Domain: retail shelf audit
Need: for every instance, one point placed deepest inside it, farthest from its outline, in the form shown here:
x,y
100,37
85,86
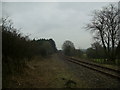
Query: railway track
x,y
104,70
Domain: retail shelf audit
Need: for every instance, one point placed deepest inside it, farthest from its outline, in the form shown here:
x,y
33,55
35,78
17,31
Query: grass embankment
x,y
103,62
44,73
109,64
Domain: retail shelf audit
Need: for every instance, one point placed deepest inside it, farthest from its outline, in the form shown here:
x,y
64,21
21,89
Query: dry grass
x,y
44,73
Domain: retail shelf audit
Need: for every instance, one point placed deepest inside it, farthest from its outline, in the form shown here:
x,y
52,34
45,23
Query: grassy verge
x,y
114,65
103,62
48,72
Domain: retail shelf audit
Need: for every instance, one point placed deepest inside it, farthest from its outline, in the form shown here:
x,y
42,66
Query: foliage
x,y
96,51
68,48
16,48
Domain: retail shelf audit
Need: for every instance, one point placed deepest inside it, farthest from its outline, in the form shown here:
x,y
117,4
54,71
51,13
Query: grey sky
x,y
57,20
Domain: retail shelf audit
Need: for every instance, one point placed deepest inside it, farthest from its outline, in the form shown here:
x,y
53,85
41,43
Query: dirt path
x,y
54,72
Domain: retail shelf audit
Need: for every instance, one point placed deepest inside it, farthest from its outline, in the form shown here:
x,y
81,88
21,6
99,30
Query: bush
x,y
16,48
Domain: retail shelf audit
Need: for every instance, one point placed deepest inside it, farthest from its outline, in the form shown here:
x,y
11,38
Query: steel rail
x,y
105,70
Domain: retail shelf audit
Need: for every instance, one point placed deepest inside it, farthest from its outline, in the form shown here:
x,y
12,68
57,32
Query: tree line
x,y
69,49
105,26
17,48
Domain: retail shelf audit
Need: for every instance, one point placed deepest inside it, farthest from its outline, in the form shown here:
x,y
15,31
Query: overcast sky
x,y
57,20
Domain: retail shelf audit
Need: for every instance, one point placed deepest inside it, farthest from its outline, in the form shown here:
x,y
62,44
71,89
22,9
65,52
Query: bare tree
x,y
105,26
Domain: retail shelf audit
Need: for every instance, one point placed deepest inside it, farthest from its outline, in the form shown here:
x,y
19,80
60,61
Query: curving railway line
x,y
104,70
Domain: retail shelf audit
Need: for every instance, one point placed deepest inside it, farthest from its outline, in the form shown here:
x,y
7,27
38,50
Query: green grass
x,y
114,65
103,61
99,60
